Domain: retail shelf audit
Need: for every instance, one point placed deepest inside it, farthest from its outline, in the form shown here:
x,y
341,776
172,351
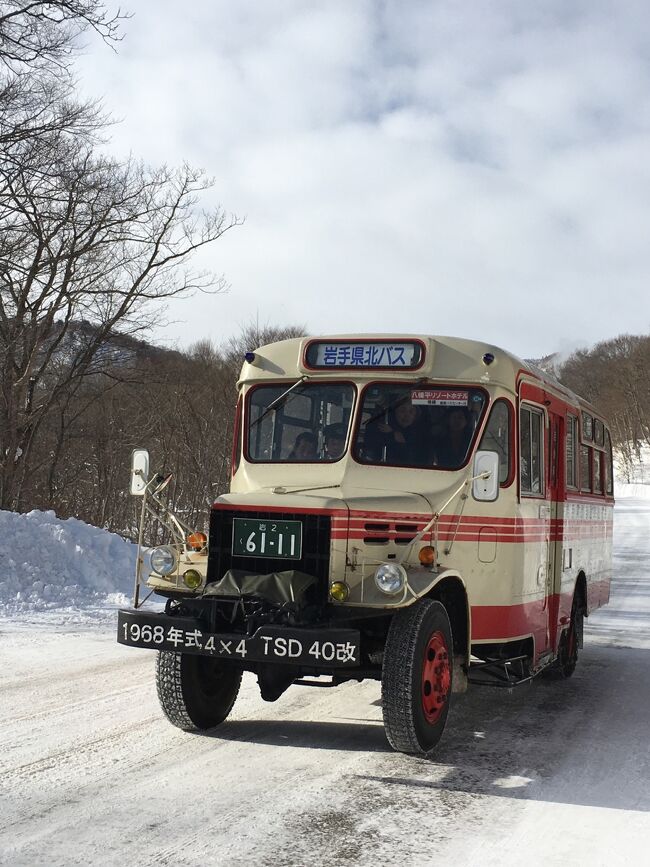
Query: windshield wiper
x,y
275,403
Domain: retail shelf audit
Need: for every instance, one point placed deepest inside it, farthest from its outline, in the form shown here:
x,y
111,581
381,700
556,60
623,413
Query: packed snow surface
x,y
47,563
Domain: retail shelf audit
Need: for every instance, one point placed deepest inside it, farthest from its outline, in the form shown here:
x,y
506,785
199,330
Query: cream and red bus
x,y
424,511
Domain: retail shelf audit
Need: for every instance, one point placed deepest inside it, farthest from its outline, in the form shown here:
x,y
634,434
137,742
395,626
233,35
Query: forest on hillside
x,y
615,376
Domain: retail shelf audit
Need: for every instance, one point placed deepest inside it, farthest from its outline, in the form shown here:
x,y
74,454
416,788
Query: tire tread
x,y
398,676
169,686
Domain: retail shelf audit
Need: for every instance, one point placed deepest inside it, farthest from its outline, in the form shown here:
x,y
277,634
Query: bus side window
x,y
571,442
531,450
586,464
496,437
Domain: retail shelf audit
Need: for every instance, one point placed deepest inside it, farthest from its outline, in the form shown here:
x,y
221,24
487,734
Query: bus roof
x,y
441,358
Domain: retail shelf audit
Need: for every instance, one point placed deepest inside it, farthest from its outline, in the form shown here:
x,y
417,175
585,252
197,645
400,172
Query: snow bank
x,y
47,563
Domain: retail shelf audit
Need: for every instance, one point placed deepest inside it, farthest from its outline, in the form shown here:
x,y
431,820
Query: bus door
x,y
534,460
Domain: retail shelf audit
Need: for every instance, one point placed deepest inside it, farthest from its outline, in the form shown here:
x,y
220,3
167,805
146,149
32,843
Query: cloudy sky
x,y
477,168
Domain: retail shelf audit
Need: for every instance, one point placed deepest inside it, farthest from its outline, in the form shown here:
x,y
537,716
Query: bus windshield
x,y
412,425
305,424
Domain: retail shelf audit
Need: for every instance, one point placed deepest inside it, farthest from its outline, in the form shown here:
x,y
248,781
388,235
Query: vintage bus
x,y
425,511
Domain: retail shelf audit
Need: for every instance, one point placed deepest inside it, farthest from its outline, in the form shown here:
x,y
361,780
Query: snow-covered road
x,y
553,773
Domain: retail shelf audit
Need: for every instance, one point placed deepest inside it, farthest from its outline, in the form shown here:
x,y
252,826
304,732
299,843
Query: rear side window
x,y
609,470
585,468
496,437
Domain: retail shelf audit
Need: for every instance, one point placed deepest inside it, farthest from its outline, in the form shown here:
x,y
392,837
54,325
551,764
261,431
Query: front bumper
x,y
318,648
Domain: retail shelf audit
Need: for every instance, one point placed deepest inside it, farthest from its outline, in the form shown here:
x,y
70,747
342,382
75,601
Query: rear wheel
x,y
417,677
195,692
570,642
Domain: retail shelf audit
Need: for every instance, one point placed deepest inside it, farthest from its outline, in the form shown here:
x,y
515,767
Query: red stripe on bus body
x,y
467,536
471,521
442,537
499,622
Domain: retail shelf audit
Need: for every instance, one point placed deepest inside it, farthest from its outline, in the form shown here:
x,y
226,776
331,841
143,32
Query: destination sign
x,y
398,355
439,397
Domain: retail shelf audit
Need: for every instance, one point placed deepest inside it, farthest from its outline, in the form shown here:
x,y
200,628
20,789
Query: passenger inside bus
x,y
396,437
334,441
450,449
304,447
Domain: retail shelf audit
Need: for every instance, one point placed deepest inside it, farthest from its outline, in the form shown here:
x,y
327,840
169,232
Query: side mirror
x,y
485,489
139,471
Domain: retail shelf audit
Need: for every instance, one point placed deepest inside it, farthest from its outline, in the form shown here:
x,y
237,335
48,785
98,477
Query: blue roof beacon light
x,y
249,357
488,358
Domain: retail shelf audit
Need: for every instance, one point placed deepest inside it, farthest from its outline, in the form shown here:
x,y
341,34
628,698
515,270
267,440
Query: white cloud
x,y
478,169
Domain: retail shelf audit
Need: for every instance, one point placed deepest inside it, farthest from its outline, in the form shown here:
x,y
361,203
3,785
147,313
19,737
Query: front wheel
x,y
195,692
417,677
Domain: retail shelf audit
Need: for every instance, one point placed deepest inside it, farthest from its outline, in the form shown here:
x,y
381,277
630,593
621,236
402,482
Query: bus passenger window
x,y
531,450
585,468
598,479
599,432
571,441
496,437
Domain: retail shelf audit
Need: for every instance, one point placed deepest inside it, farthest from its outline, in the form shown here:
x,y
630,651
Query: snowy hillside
x,y
48,563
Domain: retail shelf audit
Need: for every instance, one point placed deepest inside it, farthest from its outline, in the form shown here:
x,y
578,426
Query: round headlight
x,y
390,578
163,560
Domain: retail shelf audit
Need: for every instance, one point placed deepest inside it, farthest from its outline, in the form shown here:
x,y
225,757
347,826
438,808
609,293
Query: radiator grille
x,y
316,534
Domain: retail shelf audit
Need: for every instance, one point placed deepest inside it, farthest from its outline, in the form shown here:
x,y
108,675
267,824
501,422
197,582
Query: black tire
x,y
570,642
417,676
195,692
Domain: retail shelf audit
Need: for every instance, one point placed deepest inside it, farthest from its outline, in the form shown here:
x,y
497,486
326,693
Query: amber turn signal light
x,y
196,541
427,555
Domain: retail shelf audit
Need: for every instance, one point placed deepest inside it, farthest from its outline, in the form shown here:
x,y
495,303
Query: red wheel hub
x,y
436,677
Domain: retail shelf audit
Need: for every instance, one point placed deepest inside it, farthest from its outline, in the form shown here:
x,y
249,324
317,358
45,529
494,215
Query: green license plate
x,y
267,539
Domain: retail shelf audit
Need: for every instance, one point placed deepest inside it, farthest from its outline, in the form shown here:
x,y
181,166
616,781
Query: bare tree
x,y
614,376
34,34
85,238
37,89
